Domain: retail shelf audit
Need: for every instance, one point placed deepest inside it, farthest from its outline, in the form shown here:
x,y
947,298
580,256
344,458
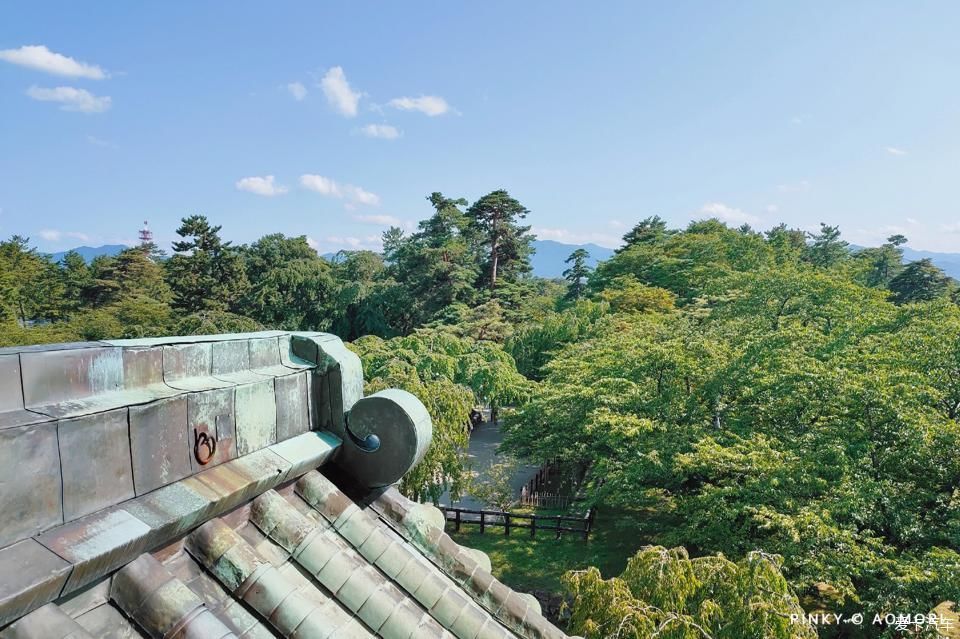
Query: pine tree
x,y
494,224
77,279
206,273
30,283
919,281
290,285
647,231
827,249
577,274
886,261
436,267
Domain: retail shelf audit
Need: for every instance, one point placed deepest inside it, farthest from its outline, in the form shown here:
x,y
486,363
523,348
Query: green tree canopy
x,y
205,273
919,281
130,273
796,413
291,287
449,374
666,594
826,248
437,266
577,274
650,230
31,288
494,221
77,280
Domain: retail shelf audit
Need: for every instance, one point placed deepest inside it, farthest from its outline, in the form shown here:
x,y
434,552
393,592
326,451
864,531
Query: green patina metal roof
x,y
179,487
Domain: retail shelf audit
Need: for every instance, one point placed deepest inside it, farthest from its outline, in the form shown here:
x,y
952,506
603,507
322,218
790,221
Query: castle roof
x,y
225,486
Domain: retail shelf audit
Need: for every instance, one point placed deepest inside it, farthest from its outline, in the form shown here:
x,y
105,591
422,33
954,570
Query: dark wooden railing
x,y
556,524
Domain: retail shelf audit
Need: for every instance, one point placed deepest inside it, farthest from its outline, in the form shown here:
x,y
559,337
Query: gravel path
x,y
483,453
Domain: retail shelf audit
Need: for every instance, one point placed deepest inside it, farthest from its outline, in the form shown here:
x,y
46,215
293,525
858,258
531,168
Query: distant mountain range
x,y
90,252
949,262
548,261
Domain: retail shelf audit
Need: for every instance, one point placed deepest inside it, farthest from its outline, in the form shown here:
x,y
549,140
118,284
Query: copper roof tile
x,y
250,577
248,540
162,605
48,622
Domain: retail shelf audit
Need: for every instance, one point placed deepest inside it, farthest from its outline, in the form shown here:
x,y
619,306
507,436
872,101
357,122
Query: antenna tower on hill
x,y
145,234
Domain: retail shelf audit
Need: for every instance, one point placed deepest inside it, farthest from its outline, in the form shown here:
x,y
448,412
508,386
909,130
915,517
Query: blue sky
x,y
594,115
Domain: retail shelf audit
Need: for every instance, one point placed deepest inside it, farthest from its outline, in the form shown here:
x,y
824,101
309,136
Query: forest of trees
x,y
786,406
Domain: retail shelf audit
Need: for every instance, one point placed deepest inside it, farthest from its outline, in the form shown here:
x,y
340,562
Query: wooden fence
x,y
553,486
556,524
545,500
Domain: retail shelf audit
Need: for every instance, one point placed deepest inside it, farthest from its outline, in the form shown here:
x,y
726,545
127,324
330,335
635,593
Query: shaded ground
x,y
537,564
483,454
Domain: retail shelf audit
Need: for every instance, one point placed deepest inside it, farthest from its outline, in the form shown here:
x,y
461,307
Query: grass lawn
x,y
527,564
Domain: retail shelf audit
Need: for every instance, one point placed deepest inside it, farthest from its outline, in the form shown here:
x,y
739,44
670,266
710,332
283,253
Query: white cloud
x,y
339,94
55,235
558,235
312,243
953,227
384,131
382,220
261,186
297,90
616,224
911,228
892,150
728,213
40,58
320,184
353,195
370,242
356,195
566,236
771,208
431,105
352,242
71,99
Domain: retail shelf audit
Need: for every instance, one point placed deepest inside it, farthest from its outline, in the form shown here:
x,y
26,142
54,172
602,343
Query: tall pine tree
x,y
206,273
494,222
577,274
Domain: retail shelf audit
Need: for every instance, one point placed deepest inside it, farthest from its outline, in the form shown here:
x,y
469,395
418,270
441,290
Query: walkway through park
x,y
482,454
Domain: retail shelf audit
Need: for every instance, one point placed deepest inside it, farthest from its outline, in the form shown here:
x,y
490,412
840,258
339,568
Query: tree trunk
x,y
493,267
494,257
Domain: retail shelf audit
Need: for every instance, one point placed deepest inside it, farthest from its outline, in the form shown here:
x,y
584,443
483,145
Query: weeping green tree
x,y
449,374
666,594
